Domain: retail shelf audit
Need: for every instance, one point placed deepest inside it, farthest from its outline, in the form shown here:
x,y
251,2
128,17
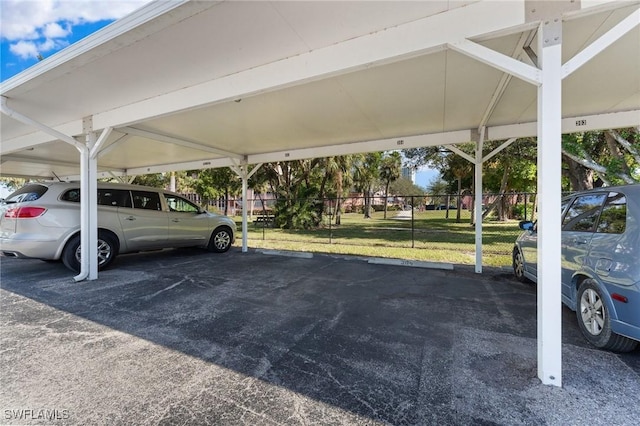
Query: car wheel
x,y
107,250
518,265
220,241
595,322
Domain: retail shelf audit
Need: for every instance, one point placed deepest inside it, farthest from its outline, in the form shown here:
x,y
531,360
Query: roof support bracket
x,y
498,60
10,112
626,25
243,171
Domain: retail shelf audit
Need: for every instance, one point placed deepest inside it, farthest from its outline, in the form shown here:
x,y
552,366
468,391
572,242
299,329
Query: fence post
x,y
330,220
525,206
413,241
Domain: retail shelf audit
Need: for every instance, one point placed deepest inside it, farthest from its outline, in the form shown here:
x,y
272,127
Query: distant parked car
x,y
600,263
42,221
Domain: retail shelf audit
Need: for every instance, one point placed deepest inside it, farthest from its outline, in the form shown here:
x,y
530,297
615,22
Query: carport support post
x,y
478,197
245,174
89,192
549,179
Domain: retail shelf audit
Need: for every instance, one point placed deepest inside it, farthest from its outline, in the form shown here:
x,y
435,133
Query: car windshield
x,y
26,193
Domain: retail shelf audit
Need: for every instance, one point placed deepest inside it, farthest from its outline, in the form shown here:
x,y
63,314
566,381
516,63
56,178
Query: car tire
x,y
518,266
220,240
595,322
107,251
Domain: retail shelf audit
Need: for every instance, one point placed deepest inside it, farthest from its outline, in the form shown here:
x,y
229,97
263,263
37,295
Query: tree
x,y
154,180
612,155
338,171
390,171
214,183
296,185
366,176
404,187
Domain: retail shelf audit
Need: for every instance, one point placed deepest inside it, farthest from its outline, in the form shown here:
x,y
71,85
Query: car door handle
x,y
175,220
580,241
130,218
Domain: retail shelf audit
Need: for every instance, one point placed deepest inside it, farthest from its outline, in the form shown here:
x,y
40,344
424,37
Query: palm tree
x,y
365,176
390,171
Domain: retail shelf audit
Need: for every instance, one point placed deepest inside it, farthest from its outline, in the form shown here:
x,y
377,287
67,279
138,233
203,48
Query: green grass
x,y
435,238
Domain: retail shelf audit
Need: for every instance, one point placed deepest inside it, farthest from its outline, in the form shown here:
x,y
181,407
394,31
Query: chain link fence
x,y
420,227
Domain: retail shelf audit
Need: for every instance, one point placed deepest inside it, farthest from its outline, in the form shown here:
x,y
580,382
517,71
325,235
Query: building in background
x,y
409,173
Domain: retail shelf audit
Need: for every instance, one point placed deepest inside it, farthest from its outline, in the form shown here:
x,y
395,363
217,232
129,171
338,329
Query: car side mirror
x,y
526,225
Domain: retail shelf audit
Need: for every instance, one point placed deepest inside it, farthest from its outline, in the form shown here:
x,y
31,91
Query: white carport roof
x,y
193,84
186,85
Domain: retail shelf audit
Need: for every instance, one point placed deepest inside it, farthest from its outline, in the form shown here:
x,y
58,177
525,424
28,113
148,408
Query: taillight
x,y
24,212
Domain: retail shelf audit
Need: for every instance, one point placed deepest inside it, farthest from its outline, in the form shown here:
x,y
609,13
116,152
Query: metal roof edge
x,y
117,28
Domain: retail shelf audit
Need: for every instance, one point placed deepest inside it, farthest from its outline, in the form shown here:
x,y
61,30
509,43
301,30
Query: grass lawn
x,y
432,238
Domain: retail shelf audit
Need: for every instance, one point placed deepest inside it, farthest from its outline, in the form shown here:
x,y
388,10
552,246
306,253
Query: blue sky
x,y
29,28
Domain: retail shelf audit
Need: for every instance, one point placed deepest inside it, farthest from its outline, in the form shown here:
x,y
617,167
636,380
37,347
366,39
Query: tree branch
x,y
625,144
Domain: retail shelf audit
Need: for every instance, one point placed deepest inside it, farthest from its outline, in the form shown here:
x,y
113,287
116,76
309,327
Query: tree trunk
x,y
498,202
386,197
459,209
580,177
367,204
226,201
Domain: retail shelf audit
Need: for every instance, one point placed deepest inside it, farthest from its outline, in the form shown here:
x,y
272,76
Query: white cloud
x,y
54,30
24,49
29,19
36,27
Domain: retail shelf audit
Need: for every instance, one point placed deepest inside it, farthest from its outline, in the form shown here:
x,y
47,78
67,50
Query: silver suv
x,y
42,221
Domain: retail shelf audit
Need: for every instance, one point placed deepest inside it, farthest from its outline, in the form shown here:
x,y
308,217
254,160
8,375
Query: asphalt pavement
x,y
189,337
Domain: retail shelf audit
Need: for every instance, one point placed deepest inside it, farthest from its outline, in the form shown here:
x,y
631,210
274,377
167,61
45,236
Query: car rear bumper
x,y
35,247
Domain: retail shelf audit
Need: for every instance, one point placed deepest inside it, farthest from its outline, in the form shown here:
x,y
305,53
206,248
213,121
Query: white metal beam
x,y
191,165
497,60
498,149
445,138
610,37
461,153
10,112
123,138
242,170
95,149
614,120
583,123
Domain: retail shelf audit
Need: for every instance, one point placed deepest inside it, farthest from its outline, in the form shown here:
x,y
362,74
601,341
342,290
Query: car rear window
x,y
613,219
30,192
583,213
146,200
114,197
106,197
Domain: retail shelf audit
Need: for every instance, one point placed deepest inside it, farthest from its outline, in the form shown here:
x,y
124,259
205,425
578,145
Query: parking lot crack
x,y
174,285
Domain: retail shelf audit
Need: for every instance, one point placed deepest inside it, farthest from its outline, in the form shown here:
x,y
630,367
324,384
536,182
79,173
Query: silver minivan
x,y
600,263
42,221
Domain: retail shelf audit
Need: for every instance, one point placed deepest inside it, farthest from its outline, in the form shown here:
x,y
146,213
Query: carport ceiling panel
x,y
35,170
143,152
469,87
518,104
194,50
610,82
221,39
56,153
350,19
314,114
402,99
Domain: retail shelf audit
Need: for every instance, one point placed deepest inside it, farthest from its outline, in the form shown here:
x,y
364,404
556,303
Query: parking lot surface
x,y
187,337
